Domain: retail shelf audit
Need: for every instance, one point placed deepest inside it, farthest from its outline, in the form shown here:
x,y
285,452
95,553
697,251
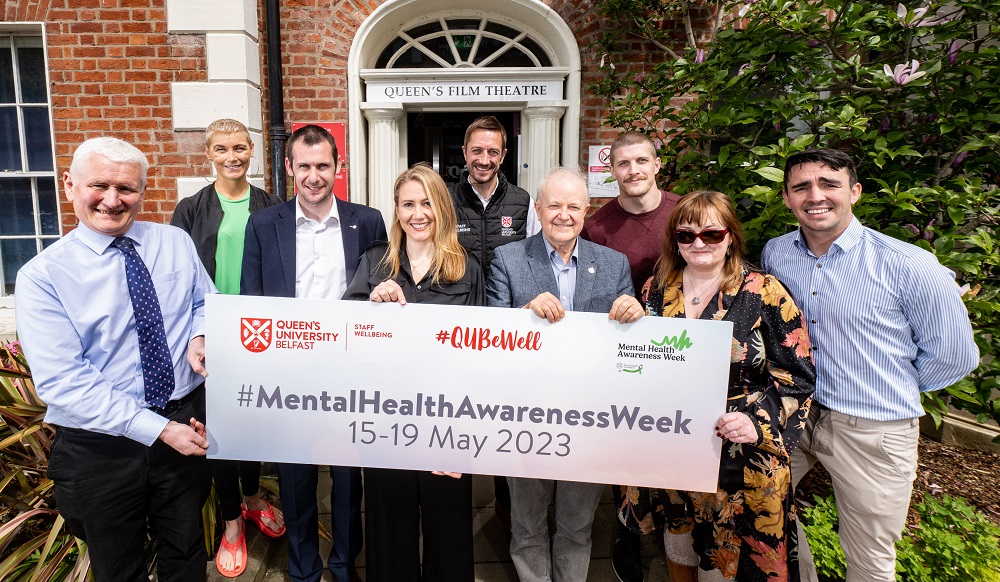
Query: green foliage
x,y
951,542
34,544
911,93
820,524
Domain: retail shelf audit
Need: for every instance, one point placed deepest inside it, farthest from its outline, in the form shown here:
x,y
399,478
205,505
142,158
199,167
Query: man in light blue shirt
x,y
886,322
121,457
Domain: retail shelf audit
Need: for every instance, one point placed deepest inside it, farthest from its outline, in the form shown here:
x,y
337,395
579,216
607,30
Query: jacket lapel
x,y
586,275
349,233
284,230
541,267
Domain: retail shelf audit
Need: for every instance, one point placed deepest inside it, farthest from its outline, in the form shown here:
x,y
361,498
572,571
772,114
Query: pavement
x,y
269,558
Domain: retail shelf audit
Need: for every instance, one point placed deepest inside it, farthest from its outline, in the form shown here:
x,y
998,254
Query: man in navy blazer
x,y
550,273
310,247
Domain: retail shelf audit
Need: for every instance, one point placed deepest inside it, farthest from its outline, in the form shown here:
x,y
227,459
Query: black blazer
x,y
269,250
201,216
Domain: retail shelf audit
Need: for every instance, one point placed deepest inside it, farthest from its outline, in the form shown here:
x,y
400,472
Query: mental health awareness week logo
x,y
666,349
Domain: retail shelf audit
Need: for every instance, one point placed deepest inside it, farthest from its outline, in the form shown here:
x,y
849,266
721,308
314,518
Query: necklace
x,y
420,263
697,297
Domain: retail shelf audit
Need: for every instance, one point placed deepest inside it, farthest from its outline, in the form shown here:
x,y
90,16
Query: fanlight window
x,y
462,42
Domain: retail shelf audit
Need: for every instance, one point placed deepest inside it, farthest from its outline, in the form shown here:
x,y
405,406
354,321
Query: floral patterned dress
x,y
747,529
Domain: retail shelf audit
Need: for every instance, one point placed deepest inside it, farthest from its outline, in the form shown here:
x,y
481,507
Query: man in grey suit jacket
x,y
310,247
550,273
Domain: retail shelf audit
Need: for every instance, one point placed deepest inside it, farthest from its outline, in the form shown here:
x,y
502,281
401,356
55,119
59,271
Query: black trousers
x,y
106,488
233,481
297,484
398,505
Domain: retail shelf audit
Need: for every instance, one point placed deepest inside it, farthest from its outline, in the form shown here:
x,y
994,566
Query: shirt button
x,y
813,292
814,321
419,287
819,265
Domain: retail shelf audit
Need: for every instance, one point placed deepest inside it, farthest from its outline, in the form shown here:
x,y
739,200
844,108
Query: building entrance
x,y
436,138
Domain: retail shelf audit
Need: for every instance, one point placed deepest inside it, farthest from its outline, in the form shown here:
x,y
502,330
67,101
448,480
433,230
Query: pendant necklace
x,y
697,298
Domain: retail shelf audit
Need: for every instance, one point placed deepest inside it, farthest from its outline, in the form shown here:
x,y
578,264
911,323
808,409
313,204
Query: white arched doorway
x,y
433,56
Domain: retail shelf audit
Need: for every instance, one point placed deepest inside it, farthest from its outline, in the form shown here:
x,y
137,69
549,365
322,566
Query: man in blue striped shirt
x,y
886,322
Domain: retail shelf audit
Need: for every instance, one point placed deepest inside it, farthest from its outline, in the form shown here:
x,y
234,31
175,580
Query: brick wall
x,y
111,63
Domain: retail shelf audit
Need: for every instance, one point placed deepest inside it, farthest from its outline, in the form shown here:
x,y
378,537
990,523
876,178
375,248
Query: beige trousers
x,y
872,465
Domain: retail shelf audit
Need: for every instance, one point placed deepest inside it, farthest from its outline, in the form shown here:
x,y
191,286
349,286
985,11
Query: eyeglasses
x,y
709,237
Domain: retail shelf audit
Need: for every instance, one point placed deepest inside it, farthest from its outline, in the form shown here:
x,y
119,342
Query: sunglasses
x,y
709,237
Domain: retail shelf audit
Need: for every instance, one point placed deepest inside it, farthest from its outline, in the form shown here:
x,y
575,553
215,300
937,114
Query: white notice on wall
x,y
599,180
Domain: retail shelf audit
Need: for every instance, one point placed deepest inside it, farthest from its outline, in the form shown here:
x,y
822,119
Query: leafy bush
x,y
820,524
909,91
34,545
951,542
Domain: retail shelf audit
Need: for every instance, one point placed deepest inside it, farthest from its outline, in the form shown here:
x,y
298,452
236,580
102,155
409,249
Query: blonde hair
x,y
448,264
225,125
695,208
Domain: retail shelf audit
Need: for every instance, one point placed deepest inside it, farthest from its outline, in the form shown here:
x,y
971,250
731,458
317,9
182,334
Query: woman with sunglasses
x,y
746,530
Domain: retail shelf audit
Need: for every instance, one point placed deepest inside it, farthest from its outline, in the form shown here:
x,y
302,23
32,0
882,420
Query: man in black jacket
x,y
491,211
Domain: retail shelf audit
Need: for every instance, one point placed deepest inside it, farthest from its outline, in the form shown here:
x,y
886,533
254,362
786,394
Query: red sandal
x,y
258,518
240,564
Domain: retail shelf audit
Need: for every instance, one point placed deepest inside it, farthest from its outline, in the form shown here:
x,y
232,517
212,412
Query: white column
x,y
383,155
232,88
541,134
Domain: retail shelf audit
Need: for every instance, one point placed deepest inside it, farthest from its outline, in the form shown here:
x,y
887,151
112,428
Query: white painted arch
x,y
373,172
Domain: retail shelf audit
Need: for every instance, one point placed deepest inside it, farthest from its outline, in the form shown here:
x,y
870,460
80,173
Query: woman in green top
x,y
216,218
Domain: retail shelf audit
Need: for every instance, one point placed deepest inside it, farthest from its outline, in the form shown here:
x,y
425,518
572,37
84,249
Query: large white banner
x,y
467,389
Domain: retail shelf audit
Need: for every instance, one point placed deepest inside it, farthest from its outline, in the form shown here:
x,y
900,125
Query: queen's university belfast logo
x,y
256,334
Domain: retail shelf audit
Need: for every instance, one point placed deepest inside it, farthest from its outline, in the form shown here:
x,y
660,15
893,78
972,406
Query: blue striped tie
x,y
157,367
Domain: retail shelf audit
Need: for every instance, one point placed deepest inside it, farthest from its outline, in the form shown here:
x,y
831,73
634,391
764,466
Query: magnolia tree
x,y
731,89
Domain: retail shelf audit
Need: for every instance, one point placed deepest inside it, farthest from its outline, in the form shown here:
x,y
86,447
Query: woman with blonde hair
x,y
422,263
746,530
216,218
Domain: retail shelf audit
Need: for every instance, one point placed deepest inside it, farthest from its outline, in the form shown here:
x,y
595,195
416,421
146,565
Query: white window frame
x,y
34,30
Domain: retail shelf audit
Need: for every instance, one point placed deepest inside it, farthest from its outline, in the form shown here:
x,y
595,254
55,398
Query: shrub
x,y
33,542
951,541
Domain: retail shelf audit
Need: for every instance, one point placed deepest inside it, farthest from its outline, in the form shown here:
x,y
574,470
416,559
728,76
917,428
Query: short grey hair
x,y
564,174
113,149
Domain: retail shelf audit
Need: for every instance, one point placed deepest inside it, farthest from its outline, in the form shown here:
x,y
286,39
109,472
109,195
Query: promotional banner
x,y
467,389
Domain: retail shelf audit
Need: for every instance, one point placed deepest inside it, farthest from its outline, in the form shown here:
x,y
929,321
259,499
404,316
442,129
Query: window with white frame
x,y
462,42
29,205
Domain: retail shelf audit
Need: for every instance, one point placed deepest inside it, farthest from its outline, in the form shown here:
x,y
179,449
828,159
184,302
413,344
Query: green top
x,y
229,250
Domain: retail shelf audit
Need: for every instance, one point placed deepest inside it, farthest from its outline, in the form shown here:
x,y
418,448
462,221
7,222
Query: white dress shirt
x,y
320,272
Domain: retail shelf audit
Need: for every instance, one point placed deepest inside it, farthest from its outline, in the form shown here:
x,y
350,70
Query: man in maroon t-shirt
x,y
635,221
634,224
